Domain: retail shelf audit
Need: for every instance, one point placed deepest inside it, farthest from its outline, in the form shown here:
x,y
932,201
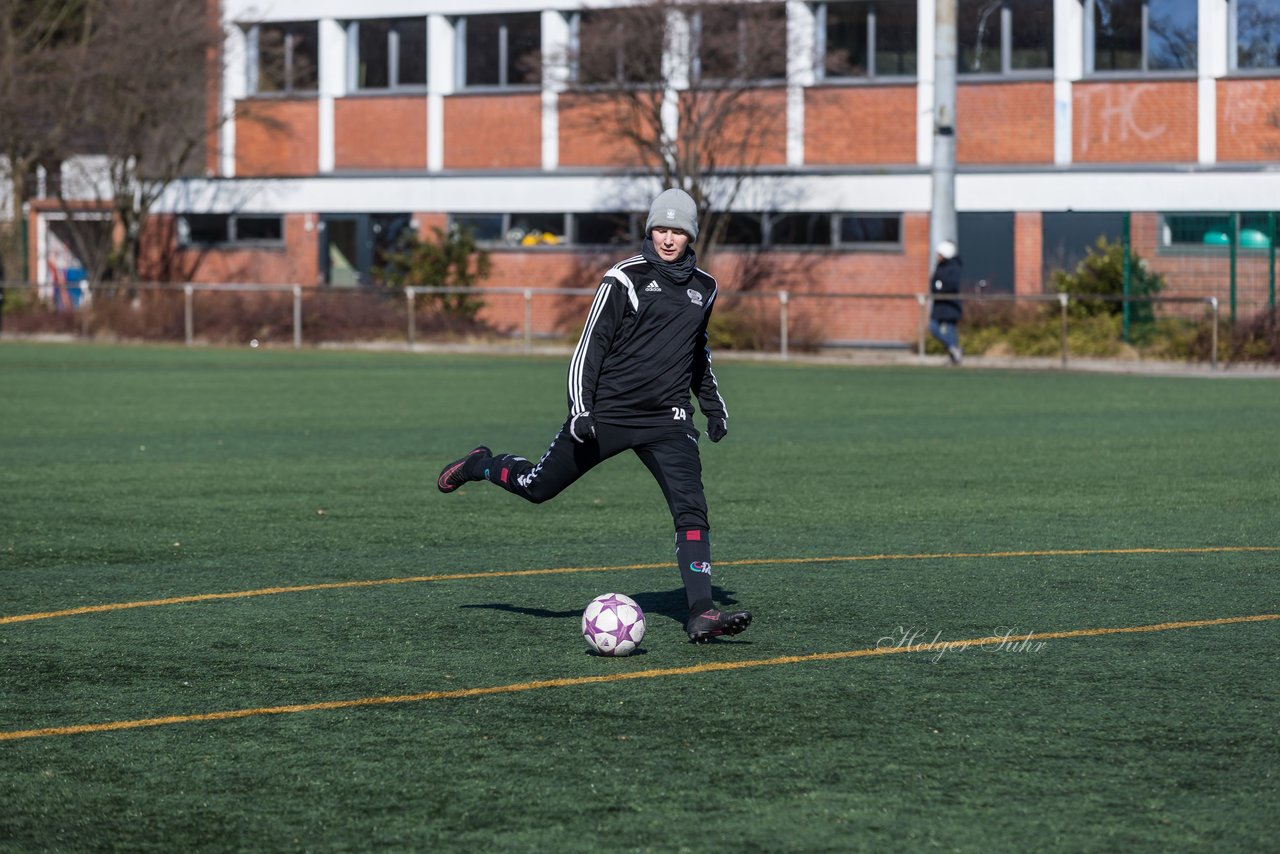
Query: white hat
x,y
947,249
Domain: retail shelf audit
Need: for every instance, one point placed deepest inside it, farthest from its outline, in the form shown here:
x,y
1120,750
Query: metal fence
x,y
195,313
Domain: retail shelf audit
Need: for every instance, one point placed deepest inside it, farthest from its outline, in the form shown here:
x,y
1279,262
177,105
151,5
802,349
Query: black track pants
x,y
670,452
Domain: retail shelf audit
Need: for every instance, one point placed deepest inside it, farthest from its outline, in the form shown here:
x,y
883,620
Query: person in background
x,y
946,313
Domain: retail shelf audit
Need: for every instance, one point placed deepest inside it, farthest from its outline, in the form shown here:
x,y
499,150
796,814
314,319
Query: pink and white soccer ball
x,y
613,624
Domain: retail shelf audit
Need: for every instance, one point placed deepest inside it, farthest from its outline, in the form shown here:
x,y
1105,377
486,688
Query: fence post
x,y
1235,240
412,331
297,317
1271,259
1127,282
923,300
1062,301
783,298
1213,337
188,322
528,319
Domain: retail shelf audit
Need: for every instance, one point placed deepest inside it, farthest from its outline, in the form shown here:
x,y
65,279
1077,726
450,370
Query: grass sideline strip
x,y
575,681
566,570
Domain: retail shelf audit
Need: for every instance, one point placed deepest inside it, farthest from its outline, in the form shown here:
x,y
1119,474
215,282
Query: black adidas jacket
x,y
644,348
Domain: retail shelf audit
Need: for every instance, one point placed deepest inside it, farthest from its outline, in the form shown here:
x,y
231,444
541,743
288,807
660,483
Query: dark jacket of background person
x,y
945,280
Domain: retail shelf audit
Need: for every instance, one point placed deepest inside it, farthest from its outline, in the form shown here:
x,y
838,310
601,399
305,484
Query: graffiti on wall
x,y
1110,115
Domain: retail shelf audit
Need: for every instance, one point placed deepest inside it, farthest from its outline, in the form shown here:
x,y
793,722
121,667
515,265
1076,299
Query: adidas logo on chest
x,y
652,288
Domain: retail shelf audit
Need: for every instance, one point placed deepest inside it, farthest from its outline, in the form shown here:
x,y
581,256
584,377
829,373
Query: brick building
x,y
351,121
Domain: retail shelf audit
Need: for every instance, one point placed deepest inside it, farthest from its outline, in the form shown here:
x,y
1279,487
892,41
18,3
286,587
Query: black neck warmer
x,y
676,272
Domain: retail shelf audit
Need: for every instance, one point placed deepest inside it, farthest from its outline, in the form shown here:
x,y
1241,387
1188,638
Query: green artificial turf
x,y
851,508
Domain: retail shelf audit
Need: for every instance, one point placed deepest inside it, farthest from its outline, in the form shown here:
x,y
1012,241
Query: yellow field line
x,y
573,681
459,576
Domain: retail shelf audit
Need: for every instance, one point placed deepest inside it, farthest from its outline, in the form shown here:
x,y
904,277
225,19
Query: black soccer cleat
x,y
711,624
458,472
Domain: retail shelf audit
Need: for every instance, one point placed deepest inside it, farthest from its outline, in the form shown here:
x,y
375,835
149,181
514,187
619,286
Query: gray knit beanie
x,y
673,209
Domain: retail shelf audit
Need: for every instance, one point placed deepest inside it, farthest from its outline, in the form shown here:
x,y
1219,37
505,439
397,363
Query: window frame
x,y
1144,69
504,50
1235,222
620,78
393,48
837,230
1233,45
821,74
1007,24
696,54
507,242
254,58
232,239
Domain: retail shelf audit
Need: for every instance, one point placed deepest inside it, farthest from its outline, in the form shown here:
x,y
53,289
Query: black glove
x,y
717,428
582,427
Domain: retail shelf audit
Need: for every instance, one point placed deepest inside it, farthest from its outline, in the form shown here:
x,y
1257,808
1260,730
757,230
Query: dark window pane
x,y
1032,34
744,230
373,70
604,36
1256,231
271,59
536,229
986,247
1067,238
895,33
1171,36
978,36
484,227
846,40
259,228
870,229
1257,33
602,228
412,67
387,230
482,65
1117,39
764,41
800,229
524,47
1197,230
720,43
304,57
200,229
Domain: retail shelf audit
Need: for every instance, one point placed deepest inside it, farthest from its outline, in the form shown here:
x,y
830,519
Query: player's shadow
x,y
663,603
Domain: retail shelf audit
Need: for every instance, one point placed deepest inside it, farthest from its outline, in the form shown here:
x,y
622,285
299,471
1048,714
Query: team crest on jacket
x,y
694,296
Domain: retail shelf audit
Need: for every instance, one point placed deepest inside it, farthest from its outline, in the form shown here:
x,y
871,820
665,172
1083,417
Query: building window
x,y
284,58
230,229
1213,233
602,49
604,229
740,42
866,39
1255,34
388,53
1004,36
1140,35
870,231
800,229
526,230
499,50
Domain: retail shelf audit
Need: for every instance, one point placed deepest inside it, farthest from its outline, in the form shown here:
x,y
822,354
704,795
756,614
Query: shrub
x,y
452,260
1101,274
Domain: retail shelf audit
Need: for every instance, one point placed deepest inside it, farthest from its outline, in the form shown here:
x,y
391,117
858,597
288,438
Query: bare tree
x,y
686,88
42,44
144,106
